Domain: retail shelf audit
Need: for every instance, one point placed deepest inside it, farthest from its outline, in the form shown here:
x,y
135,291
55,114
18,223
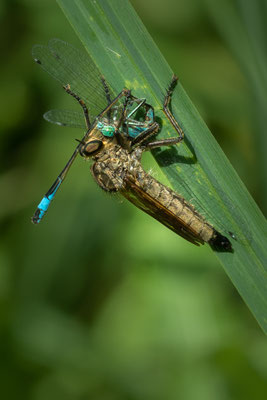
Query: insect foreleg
x,y
106,89
163,142
82,104
166,108
151,130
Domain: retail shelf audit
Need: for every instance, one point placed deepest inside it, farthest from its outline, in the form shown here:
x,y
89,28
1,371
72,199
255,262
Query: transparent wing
x,y
71,66
74,119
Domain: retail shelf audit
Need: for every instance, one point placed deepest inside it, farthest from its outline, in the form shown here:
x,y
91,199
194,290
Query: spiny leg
x,y
167,111
123,93
150,131
153,126
106,89
163,142
107,94
82,103
128,98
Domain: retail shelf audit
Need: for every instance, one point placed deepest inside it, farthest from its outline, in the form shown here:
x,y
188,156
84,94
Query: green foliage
x,y
125,53
100,301
245,34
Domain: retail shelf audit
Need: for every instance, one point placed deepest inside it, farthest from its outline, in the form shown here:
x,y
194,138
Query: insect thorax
x,y
113,164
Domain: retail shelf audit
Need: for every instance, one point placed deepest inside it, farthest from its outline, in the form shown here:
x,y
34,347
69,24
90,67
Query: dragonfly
x,y
115,138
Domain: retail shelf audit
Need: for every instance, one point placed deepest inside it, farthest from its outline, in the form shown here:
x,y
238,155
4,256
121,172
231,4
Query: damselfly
x,y
115,139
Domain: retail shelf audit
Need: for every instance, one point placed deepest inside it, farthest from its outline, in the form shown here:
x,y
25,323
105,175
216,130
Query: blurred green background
x,y
100,301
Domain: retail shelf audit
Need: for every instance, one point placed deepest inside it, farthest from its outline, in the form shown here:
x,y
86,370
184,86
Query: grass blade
x,y
121,47
243,28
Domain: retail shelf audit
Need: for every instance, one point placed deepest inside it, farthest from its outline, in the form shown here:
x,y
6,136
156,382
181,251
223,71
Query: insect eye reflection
x,y
90,148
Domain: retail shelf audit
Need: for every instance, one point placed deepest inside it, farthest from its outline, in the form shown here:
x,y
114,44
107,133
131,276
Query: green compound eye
x,y
106,130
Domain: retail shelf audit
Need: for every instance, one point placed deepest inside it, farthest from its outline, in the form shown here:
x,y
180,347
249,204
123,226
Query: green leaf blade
x,y
198,169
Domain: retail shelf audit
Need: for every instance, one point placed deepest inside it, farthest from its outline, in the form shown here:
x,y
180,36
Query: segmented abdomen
x,y
175,203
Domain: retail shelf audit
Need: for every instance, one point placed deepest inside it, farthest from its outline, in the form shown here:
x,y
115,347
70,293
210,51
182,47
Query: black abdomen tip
x,y
220,243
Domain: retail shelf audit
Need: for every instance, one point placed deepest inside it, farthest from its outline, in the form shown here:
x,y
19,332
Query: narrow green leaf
x,y
242,26
121,47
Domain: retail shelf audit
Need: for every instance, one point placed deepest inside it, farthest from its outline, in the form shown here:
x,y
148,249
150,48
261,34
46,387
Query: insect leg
x,y
82,103
151,130
107,93
139,102
163,142
167,110
106,89
124,92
